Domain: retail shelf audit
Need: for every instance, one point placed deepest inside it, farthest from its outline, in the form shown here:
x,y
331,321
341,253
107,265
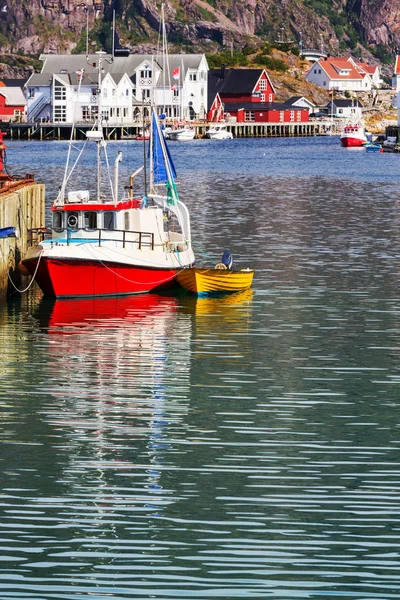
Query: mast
x,y
99,139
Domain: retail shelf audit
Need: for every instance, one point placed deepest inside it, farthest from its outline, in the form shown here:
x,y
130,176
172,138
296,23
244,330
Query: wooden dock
x,y
21,206
62,131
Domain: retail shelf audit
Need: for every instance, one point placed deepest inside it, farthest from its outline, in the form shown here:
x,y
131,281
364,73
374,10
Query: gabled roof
x,y
334,66
14,96
14,82
346,103
70,63
294,99
232,81
363,67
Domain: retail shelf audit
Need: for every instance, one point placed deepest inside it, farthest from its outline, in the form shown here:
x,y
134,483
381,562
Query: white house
x,y
340,74
348,109
302,102
67,87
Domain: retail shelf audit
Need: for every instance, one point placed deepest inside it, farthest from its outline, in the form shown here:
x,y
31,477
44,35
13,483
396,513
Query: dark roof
x,y
229,106
14,82
294,99
345,103
231,81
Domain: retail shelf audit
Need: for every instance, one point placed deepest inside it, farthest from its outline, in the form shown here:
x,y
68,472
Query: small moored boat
x,y
213,281
220,279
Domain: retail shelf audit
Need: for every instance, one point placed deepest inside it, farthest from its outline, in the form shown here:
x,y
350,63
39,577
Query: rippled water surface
x,y
170,447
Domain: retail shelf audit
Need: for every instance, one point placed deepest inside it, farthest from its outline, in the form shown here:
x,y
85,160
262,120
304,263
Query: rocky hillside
x,y
368,28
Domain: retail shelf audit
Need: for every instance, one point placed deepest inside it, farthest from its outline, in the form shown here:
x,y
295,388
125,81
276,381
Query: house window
x,y
270,98
298,115
125,112
90,220
146,73
176,93
249,115
60,93
105,93
319,71
31,92
262,97
281,116
292,115
202,92
60,114
113,92
340,111
192,76
263,84
109,219
146,93
118,111
126,92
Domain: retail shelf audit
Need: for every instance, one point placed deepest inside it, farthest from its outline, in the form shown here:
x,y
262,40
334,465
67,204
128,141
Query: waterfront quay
x,y
62,131
22,205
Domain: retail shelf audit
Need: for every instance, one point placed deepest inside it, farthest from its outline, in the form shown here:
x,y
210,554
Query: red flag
x,y
175,73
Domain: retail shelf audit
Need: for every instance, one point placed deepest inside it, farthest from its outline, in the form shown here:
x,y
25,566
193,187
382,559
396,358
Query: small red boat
x,y
353,136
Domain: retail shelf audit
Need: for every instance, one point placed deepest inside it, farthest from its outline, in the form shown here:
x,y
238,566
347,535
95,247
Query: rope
x,y
203,252
158,282
31,281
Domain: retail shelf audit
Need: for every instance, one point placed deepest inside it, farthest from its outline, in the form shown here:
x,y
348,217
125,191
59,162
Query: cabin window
x,y
72,220
126,221
90,220
57,220
109,220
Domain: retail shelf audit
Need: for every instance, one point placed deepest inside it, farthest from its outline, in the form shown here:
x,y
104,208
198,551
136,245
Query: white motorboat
x,y
218,131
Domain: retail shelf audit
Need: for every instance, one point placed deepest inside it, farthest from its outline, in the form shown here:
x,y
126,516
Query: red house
x,y
12,104
248,95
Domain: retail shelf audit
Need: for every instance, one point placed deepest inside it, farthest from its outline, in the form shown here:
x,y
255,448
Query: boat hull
x,y
76,278
214,281
349,142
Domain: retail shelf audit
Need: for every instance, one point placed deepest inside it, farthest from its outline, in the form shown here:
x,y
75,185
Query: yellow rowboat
x,y
214,281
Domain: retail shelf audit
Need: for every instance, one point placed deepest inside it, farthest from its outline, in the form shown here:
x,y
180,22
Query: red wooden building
x,y
12,104
248,96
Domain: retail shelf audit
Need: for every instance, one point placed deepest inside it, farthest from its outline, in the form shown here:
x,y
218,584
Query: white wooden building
x,y
340,74
67,88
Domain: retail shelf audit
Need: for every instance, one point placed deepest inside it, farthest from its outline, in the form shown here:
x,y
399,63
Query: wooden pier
x,y
62,131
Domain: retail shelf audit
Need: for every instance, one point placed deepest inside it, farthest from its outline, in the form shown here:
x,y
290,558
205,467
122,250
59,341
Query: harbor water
x,y
247,446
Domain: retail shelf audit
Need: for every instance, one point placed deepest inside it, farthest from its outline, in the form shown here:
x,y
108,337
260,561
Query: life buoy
x,y
72,221
220,266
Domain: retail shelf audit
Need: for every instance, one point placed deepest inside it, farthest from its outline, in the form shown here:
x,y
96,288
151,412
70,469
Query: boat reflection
x,y
76,314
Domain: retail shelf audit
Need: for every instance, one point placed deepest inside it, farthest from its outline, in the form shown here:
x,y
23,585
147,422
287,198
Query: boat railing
x,y
143,239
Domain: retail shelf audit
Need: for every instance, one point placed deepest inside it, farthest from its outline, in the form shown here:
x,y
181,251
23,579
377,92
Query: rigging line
x,y
65,179
31,281
158,282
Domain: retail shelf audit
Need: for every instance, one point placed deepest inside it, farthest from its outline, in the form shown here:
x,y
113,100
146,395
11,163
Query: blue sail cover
x,y
160,171
7,232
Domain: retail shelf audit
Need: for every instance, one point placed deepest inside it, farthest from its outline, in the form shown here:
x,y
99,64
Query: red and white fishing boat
x,y
113,245
353,135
